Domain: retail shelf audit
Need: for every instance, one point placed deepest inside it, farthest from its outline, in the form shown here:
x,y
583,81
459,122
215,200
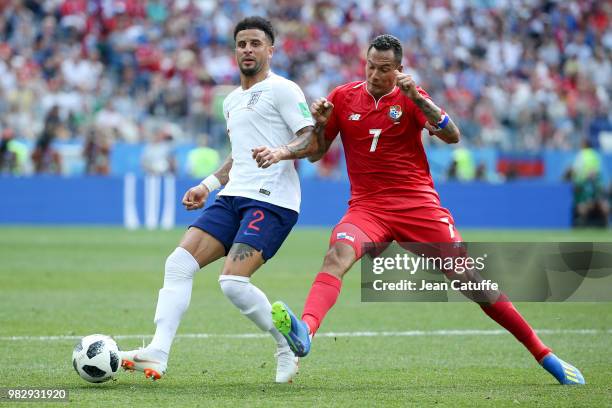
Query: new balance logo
x,y
344,235
354,116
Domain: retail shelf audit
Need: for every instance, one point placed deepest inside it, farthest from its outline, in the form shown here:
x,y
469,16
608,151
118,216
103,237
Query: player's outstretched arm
x,y
321,110
196,196
302,146
438,122
324,145
307,142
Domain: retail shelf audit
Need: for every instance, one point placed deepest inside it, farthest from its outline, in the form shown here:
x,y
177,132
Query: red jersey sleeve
x,y
418,113
333,125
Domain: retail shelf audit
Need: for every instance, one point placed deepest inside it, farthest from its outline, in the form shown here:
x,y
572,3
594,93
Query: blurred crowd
x,y
515,74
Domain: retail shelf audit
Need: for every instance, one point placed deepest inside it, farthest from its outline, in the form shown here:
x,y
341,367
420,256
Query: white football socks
x,y
174,298
252,303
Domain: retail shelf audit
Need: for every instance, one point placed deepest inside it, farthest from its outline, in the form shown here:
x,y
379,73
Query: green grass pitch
x,y
79,281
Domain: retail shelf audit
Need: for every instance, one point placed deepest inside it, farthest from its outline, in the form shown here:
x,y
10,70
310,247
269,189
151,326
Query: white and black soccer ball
x,y
96,358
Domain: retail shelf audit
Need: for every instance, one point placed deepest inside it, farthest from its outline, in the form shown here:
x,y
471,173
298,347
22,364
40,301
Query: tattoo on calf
x,y
241,252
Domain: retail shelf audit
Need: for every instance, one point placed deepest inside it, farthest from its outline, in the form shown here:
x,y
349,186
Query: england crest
x,y
254,98
395,112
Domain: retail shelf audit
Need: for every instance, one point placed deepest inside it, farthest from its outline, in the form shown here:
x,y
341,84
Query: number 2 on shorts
x,y
259,215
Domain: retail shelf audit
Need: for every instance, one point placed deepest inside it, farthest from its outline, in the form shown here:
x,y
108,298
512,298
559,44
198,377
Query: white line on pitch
x,y
410,333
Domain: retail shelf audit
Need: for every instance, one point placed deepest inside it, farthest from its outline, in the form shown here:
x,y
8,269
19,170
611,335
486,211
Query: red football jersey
x,y
385,158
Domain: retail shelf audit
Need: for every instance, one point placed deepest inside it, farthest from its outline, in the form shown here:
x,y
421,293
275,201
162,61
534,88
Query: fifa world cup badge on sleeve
x,y
395,113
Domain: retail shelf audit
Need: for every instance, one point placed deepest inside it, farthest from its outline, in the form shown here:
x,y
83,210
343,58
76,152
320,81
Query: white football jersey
x,y
267,114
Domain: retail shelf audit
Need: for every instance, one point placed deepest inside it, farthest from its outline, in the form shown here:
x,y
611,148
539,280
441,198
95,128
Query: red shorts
x,y
362,225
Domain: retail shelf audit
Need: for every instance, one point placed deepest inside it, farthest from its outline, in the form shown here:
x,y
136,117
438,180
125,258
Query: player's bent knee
x,y
238,289
180,265
204,247
233,270
242,260
232,286
339,259
240,270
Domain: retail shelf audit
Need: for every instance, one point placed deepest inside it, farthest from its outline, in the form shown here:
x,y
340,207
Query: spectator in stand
x,y
17,149
45,158
462,167
587,163
97,153
158,155
202,161
523,75
591,203
54,126
8,158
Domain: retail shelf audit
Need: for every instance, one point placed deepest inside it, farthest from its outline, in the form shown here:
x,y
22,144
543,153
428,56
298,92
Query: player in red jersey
x,y
380,121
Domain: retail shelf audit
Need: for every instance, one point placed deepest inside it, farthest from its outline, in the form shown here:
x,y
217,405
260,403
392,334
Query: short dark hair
x,y
386,42
258,23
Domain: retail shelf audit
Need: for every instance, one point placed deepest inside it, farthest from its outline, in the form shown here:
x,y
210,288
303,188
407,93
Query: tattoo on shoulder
x,y
241,252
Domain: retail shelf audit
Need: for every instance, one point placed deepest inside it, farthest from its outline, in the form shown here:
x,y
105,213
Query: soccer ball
x,y
96,358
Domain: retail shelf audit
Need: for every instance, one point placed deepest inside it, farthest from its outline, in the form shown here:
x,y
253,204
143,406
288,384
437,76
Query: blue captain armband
x,y
443,121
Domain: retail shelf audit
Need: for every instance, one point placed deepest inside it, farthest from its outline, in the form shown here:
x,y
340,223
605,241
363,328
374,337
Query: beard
x,y
250,71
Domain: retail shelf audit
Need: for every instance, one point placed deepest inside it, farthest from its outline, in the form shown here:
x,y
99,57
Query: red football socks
x,y
326,289
322,297
504,313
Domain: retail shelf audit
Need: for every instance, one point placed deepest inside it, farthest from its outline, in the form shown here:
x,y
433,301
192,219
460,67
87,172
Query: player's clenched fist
x,y
195,197
321,110
406,83
266,156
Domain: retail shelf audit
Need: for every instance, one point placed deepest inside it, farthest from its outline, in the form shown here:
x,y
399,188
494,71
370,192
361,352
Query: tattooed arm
x,y
304,144
222,173
309,142
450,133
324,145
312,144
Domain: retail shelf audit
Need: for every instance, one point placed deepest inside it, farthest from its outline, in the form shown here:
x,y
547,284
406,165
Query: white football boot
x,y
149,362
286,365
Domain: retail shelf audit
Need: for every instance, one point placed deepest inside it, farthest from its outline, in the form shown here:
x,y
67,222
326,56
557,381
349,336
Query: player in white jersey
x,y
253,214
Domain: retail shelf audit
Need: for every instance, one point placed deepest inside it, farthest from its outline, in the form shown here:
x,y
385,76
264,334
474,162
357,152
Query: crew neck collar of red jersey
x,y
365,88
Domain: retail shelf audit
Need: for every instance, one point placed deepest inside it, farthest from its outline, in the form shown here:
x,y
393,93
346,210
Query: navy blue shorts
x,y
261,225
